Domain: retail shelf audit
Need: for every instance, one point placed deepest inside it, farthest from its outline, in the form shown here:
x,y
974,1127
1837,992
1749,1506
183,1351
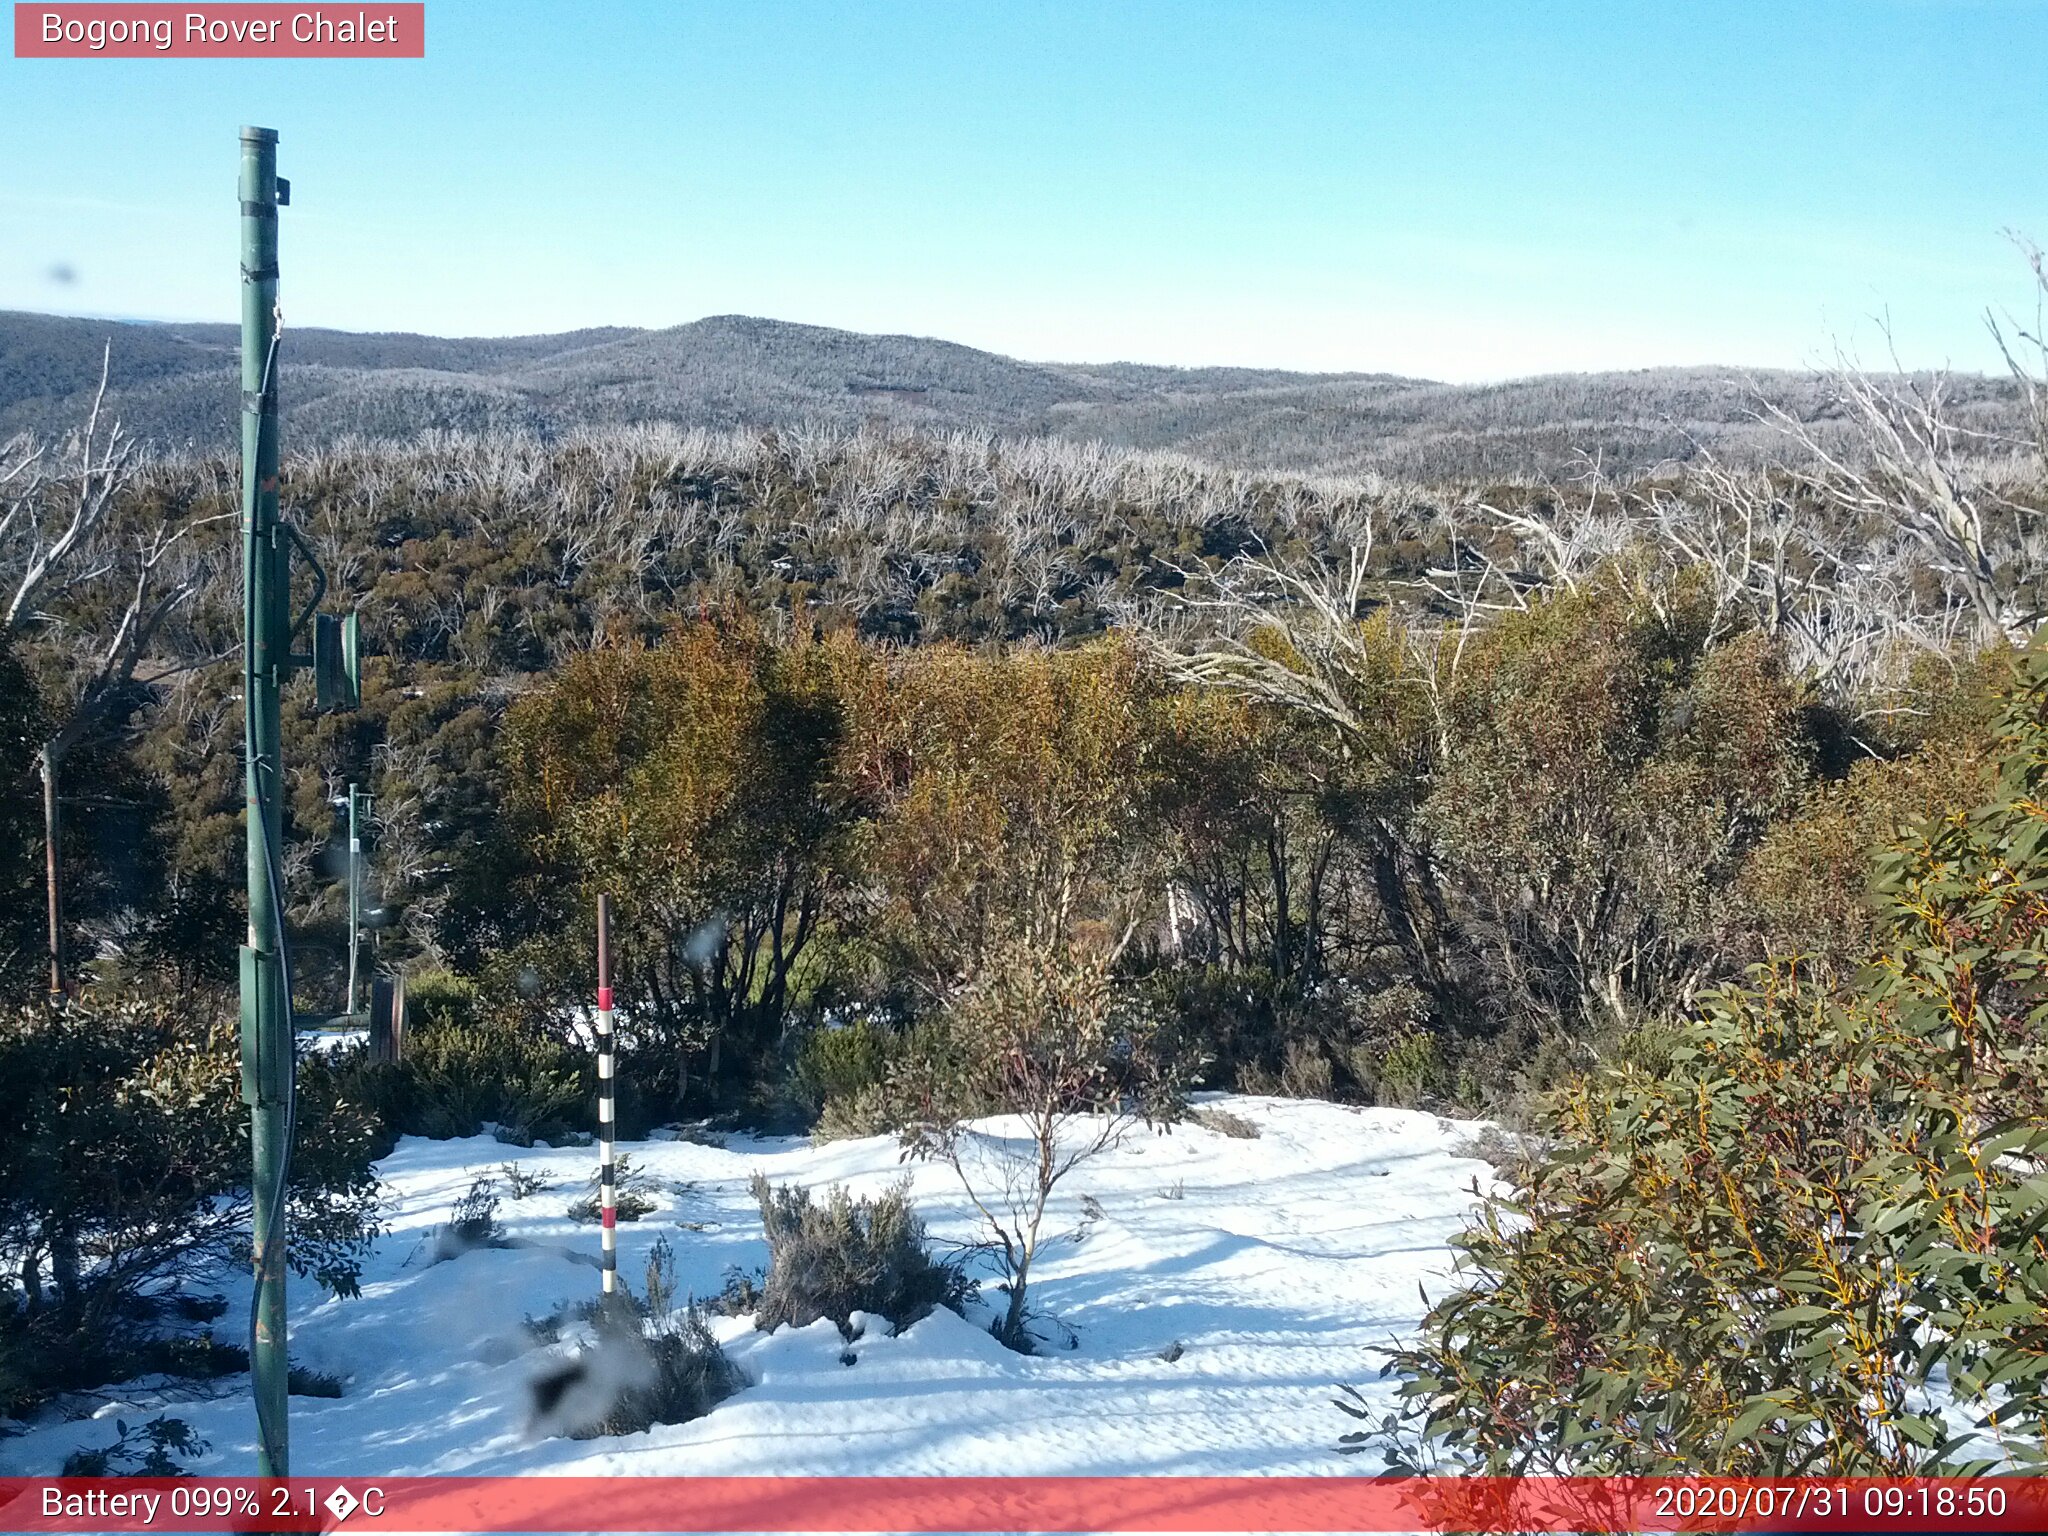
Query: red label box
x,y
239,31
374,1506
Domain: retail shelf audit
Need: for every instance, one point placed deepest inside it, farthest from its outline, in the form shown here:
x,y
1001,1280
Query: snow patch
x,y
1208,1330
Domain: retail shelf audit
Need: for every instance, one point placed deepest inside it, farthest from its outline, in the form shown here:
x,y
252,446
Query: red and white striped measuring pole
x,y
607,1173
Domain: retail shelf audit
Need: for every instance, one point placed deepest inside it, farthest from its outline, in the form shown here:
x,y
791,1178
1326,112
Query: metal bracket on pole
x,y
337,667
266,1069
290,531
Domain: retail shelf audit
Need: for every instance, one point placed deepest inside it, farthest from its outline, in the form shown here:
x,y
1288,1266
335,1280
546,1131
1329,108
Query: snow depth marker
x,y
607,1178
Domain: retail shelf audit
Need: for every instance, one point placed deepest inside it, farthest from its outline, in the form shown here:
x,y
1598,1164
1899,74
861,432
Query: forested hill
x,y
176,385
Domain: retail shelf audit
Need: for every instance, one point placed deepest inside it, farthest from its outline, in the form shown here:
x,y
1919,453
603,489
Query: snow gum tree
x,y
699,777
1004,795
1611,766
1780,1254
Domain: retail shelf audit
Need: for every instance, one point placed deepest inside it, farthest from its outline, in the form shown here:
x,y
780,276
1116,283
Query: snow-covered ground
x,y
1279,1265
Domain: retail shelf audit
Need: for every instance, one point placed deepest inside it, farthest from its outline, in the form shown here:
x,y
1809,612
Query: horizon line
x,y
1744,369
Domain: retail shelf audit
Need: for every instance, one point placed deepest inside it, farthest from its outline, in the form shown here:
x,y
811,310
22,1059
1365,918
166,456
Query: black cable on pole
x,y
273,874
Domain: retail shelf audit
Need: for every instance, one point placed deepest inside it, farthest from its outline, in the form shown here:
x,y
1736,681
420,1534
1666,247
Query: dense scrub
x,y
488,1068
1549,763
123,1190
1607,811
484,563
1812,1240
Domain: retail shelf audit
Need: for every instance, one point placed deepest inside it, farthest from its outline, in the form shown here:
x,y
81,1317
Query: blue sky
x,y
1439,187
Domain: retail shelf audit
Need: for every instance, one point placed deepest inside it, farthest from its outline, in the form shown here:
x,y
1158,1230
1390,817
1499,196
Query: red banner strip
x,y
1049,1504
375,30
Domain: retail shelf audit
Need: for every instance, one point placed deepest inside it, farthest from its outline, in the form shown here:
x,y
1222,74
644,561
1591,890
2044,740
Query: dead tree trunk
x,y
52,866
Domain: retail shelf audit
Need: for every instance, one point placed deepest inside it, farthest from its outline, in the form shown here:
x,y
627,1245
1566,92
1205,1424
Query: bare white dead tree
x,y
1287,634
1914,467
2013,337
57,540
1852,612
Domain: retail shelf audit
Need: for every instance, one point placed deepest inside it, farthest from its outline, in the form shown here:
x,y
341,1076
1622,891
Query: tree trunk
x,y
52,867
1013,1319
64,1263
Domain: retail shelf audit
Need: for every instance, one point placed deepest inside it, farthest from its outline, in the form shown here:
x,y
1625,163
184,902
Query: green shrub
x,y
1410,1073
147,1450
871,1096
846,1256
49,1352
124,1167
869,1111
1612,758
1333,1040
1776,1254
440,998
459,1074
1807,889
841,1063
630,1197
663,1363
1227,1023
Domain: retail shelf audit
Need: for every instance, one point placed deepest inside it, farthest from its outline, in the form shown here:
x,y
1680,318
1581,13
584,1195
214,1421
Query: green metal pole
x,y
266,644
355,900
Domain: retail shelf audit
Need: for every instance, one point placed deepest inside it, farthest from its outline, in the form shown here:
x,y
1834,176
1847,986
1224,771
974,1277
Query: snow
x,y
1281,1265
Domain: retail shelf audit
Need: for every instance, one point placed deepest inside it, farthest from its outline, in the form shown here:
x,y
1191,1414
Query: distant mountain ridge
x,y
177,386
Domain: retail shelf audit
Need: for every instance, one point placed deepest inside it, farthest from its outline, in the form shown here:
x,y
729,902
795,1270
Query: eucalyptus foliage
x,y
1815,1243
